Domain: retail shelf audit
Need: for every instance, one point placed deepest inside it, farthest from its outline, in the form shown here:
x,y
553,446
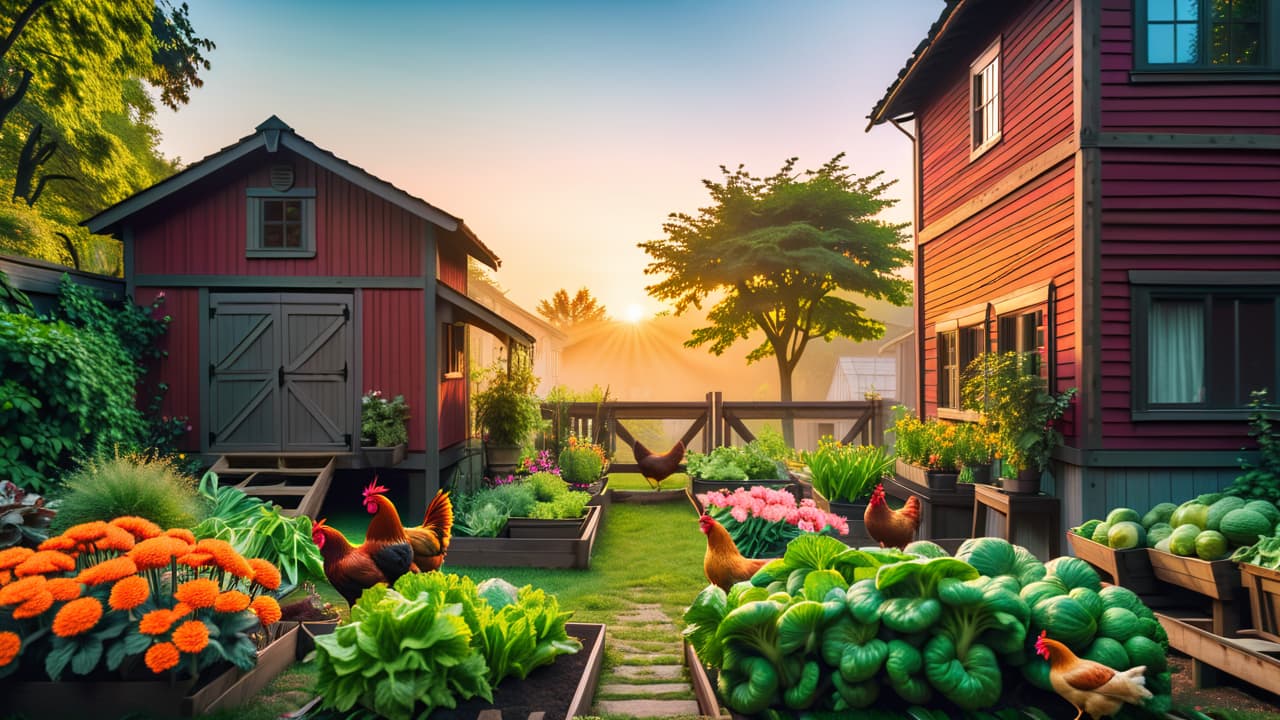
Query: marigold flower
x,y
226,557
161,657
108,571
77,617
157,551
5,577
231,601
116,539
64,589
264,573
182,609
12,557
41,601
58,542
266,608
10,644
198,593
89,532
191,637
44,562
182,534
22,590
156,622
195,559
129,593
140,528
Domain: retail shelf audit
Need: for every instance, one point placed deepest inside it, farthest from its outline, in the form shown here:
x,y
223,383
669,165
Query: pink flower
x,y
739,514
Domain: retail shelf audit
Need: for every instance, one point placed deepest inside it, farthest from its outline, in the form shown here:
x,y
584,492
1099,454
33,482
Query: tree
x,y
775,252
564,312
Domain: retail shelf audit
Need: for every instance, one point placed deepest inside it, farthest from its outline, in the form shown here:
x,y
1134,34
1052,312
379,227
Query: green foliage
x,y
13,300
107,487
1262,481
566,506
383,422
581,462
545,486
1017,406
749,462
565,312
846,473
507,409
259,529
484,513
24,516
780,254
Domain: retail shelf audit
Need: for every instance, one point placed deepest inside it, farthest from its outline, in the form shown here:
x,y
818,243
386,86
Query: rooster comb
x,y
315,527
1040,646
374,489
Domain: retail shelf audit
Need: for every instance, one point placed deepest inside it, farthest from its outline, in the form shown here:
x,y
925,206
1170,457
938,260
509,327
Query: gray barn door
x,y
279,369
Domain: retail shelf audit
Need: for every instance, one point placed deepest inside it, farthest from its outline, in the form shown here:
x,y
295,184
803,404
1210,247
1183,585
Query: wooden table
x,y
944,514
1020,511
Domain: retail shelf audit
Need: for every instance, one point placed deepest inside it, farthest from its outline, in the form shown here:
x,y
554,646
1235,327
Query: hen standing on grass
x,y
891,528
385,555
1091,687
657,468
722,563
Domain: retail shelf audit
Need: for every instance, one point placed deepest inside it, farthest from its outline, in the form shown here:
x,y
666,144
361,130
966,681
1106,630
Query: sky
x,y
563,133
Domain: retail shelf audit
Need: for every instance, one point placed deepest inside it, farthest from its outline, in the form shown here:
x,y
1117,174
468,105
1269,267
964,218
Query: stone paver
x,y
651,688
645,672
647,708
644,614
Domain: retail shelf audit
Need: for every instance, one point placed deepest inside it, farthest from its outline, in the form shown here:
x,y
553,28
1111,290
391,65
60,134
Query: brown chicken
x,y
1091,687
723,564
889,527
385,555
657,468
430,540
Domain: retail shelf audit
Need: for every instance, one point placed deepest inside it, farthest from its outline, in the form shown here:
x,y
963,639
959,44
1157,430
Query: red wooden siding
x,y
1024,240
452,267
393,354
1166,209
180,369
357,233
1036,95
1198,107
453,411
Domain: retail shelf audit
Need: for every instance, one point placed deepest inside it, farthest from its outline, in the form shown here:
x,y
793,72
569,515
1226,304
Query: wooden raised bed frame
x,y
1242,655
1263,585
1128,568
574,552
1218,580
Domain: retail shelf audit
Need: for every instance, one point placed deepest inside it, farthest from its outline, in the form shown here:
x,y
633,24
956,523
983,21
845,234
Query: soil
x,y
1232,695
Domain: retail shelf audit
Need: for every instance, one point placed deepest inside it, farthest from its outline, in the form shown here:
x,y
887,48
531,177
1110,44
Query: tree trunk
x,y
784,385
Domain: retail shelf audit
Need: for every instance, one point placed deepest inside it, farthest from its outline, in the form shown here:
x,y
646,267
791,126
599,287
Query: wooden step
x,y
285,475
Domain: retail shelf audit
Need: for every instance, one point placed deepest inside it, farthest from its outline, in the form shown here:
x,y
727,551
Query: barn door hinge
x,y
344,371
213,311
346,313
280,376
347,439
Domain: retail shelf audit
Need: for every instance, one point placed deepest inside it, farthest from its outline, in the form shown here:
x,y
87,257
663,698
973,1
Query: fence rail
x,y
718,422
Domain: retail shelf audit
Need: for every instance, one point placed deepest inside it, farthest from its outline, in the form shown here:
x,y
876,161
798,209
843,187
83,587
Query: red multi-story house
x,y
1099,181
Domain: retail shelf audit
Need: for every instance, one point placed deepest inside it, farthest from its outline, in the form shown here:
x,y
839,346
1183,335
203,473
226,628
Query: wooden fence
x,y
40,280
716,421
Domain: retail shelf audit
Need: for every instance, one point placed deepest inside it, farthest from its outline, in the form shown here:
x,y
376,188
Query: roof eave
x,y
886,110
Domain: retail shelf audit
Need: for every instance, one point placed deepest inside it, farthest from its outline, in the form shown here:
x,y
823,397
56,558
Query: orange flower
x,y
266,608
58,542
129,593
44,562
40,602
156,552
11,557
231,601
161,657
226,557
139,528
264,573
22,590
90,532
156,622
182,534
5,577
191,637
182,609
78,616
64,589
116,539
198,593
10,644
195,559
107,571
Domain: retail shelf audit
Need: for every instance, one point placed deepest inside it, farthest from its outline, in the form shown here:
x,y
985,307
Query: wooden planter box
x,y
523,527
569,552
118,698
853,512
701,487
383,457
1217,579
1128,568
1246,657
1263,585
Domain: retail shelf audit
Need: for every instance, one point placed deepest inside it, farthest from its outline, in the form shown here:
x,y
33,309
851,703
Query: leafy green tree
x,y
563,311
782,255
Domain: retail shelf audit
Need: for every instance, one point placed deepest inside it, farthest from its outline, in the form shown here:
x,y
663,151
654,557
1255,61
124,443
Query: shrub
x,y
565,506
581,462
106,487
546,486
384,422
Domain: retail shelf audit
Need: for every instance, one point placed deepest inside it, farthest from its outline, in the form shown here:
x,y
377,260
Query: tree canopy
x,y
563,311
783,254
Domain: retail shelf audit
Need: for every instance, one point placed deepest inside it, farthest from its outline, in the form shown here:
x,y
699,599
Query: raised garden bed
x,y
701,487
853,512
1263,585
1240,654
544,552
220,689
1217,580
1127,568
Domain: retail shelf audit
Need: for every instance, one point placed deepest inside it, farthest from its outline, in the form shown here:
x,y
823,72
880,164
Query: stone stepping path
x,y
649,680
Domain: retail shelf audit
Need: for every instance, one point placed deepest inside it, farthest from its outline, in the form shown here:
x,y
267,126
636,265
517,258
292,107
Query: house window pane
x,y
948,376
272,210
293,235
1176,352
1257,322
272,235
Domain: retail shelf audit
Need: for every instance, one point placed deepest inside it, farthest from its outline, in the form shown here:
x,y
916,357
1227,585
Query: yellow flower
x,y
161,657
191,637
10,644
77,617
129,593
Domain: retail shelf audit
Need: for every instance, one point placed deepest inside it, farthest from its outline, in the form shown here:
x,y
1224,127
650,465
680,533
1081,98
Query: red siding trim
x,y
393,361
180,369
452,266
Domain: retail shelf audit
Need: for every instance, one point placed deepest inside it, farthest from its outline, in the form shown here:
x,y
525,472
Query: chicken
x,y
723,564
385,555
657,468
891,528
430,540
1091,687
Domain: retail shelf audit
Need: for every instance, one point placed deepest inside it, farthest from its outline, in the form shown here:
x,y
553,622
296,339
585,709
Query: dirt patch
x,y
1231,695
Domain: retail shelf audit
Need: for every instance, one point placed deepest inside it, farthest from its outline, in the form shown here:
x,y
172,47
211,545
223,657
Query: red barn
x,y
296,282
1099,181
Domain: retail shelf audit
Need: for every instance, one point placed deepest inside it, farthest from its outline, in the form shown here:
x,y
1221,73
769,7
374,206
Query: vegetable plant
x,y
846,473
581,462
750,462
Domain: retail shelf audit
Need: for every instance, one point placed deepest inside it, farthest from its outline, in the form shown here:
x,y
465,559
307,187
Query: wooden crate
x,y
1128,568
574,552
1263,585
1217,579
1249,658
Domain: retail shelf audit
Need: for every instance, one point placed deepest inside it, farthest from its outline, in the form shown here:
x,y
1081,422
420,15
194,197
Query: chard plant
x,y
847,473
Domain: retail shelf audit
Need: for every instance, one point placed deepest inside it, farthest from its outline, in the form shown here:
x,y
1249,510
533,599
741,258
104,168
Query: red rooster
x,y
385,555
1091,687
430,540
657,468
891,528
723,564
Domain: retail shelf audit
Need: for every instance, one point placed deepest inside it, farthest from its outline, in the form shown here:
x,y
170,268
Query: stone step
x,y
647,708
650,689
637,672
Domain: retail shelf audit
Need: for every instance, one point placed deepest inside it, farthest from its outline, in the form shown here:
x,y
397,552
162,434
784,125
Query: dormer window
x,y
281,224
984,101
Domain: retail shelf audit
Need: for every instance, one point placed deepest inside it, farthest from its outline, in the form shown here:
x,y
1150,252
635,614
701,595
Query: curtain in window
x,y
1176,359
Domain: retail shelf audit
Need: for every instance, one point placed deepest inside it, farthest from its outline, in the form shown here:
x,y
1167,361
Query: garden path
x,y
648,681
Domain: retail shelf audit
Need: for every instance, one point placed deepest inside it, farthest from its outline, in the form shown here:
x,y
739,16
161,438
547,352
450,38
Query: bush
x,y
109,487
546,486
383,422
581,462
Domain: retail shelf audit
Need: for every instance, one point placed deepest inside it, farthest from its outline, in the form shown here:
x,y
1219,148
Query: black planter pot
x,y
940,480
981,473
1026,483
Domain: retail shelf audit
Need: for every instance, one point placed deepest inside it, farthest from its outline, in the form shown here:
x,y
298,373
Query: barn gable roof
x,y
271,135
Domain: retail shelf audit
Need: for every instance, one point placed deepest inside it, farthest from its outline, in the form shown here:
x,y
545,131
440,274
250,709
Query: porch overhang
x,y
473,313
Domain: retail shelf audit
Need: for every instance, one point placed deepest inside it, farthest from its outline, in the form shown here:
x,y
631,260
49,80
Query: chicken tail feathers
x,y
439,516
1134,687
640,451
912,508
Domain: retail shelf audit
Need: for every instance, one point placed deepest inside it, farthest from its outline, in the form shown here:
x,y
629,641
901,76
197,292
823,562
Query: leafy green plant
x,y
482,521
525,630
24,516
383,421
846,473
1017,407
749,462
507,409
1262,481
566,506
106,487
545,486
581,462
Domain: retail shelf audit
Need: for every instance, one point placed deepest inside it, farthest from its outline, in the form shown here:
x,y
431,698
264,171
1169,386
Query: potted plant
x,y
843,478
384,432
975,449
507,411
927,450
729,468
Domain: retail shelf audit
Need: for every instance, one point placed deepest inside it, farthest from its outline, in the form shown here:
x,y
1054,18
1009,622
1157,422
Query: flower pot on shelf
x,y
384,457
981,474
854,512
940,479
1026,483
501,459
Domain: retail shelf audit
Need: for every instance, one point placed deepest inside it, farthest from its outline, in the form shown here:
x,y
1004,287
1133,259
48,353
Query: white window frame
x,y
253,223
990,58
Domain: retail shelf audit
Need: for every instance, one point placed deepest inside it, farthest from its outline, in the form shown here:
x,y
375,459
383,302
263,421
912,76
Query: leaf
x,y
58,658
86,658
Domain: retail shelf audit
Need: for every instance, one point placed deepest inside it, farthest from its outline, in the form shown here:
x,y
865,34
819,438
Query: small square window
x,y
280,224
1200,35
984,101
